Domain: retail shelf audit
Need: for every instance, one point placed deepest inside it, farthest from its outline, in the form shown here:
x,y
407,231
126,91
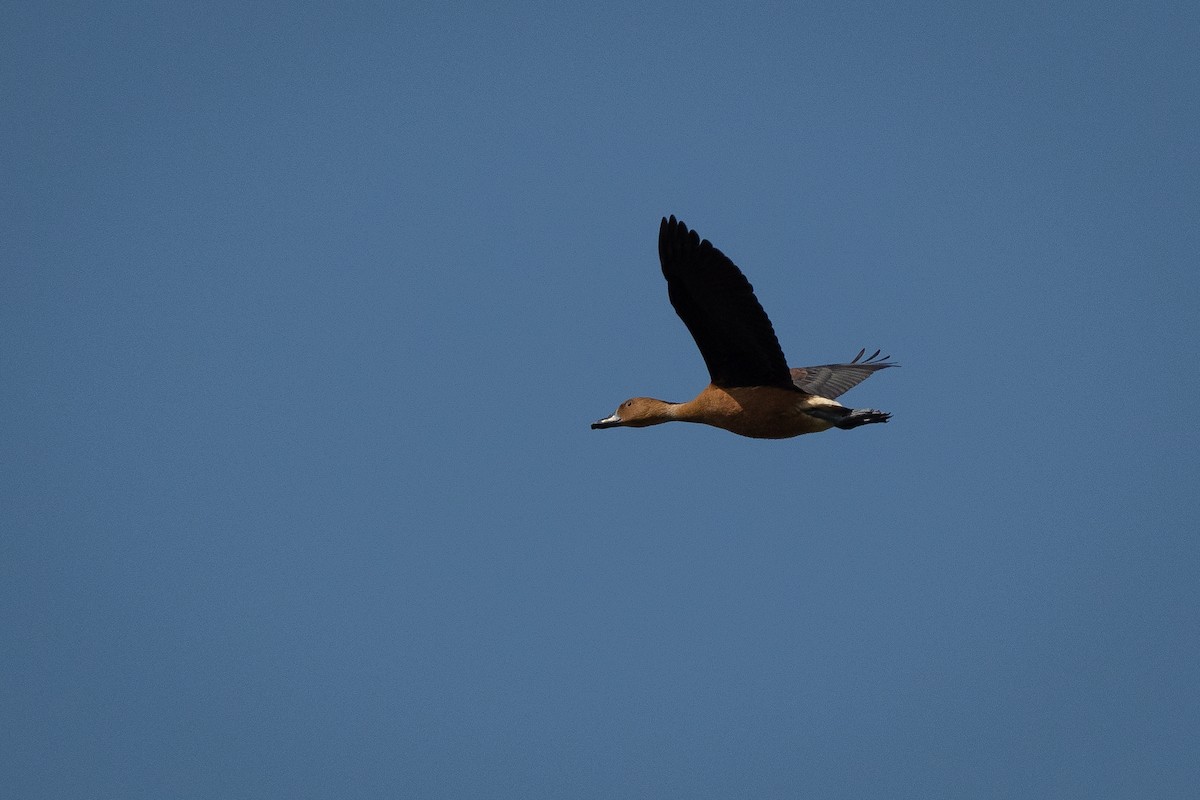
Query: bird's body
x,y
752,391
760,412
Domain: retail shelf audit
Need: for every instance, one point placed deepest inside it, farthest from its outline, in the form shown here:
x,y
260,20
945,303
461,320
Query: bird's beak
x,y
607,422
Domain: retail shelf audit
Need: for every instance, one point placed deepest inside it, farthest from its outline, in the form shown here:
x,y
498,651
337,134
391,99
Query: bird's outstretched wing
x,y
717,304
833,380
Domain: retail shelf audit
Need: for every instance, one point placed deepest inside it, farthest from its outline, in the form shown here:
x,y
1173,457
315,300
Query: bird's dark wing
x,y
717,304
833,380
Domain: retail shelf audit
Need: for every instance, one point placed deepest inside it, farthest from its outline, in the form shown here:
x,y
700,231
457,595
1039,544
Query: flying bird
x,y
752,391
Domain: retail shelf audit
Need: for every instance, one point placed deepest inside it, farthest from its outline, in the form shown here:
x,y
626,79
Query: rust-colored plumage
x,y
752,391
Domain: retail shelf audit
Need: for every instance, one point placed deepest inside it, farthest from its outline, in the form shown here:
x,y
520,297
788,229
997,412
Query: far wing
x,y
833,380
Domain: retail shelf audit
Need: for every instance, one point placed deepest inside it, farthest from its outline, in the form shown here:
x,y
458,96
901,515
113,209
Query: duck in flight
x,y
752,390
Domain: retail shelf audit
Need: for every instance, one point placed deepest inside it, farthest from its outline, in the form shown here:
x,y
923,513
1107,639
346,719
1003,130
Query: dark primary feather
x,y
833,380
717,304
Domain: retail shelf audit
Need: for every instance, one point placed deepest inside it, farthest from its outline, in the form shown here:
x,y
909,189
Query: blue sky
x,y
306,309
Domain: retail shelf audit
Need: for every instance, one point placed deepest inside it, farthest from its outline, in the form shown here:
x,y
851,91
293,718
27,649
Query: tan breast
x,y
760,412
